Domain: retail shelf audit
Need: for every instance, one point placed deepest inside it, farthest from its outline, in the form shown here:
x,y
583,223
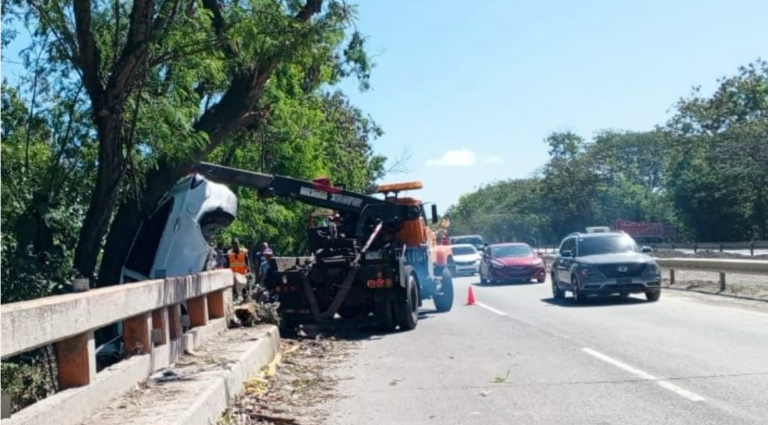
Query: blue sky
x,y
481,84
471,89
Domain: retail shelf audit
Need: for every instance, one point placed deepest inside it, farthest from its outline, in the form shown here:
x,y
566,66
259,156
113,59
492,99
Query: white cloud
x,y
492,159
455,158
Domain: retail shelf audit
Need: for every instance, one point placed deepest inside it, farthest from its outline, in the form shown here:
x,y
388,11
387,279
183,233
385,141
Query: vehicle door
x,y
563,264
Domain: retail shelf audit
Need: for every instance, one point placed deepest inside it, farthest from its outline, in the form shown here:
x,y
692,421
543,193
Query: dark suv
x,y
604,264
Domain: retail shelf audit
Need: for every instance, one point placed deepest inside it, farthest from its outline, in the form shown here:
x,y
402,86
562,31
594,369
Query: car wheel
x,y
578,296
557,293
653,296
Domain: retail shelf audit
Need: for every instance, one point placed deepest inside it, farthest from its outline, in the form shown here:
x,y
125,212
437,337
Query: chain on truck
x,y
375,254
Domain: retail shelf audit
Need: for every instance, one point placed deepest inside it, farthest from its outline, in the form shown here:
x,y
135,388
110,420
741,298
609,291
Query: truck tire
x,y
407,311
444,300
383,310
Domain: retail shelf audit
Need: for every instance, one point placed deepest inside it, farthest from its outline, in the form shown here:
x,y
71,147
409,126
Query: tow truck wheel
x,y
384,314
407,311
444,300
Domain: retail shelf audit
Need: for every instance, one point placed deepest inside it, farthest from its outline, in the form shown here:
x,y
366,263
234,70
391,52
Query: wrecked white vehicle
x,y
174,241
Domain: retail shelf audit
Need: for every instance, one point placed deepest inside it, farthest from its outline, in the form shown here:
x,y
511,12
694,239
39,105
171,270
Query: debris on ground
x,y
251,313
291,389
164,375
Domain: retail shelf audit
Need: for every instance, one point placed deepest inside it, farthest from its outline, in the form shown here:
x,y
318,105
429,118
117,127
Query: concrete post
x,y
137,334
160,326
5,412
671,276
198,311
216,308
174,321
81,285
76,361
722,281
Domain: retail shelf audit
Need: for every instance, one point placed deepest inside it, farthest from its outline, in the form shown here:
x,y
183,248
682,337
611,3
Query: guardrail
x,y
694,246
153,336
713,246
721,266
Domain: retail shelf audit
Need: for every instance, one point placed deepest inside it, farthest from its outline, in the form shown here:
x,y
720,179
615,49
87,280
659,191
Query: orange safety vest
x,y
237,261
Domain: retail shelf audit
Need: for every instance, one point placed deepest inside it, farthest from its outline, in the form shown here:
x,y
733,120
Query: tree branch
x,y
89,56
136,47
220,27
63,35
311,8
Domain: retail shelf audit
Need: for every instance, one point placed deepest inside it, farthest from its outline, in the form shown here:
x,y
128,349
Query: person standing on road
x,y
266,255
237,258
221,256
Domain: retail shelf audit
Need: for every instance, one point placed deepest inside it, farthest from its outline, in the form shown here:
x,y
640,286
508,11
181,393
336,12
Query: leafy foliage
x,y
705,172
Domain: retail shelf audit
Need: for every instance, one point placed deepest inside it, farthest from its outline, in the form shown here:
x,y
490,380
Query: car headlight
x,y
496,265
587,271
654,269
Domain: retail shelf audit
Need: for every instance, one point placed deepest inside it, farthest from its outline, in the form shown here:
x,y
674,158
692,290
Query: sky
x,y
471,89
467,91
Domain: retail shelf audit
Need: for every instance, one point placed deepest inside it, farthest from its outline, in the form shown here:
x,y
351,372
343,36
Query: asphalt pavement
x,y
519,357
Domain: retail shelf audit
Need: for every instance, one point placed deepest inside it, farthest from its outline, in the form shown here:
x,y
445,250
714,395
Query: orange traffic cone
x,y
470,297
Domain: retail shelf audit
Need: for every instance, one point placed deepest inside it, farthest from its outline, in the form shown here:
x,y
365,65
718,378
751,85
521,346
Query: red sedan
x,y
511,262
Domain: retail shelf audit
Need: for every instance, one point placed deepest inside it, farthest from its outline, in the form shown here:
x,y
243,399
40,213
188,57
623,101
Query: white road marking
x,y
644,375
489,308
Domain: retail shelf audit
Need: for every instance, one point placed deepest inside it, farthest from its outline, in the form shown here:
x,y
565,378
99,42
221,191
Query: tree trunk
x,y
126,224
109,175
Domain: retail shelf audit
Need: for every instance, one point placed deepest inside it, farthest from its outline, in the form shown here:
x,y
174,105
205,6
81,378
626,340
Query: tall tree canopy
x,y
158,85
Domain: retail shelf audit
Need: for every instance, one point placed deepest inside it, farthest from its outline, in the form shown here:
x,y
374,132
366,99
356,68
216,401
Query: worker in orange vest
x,y
237,258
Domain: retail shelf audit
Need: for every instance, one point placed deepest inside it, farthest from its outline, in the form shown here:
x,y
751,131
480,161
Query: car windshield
x,y
512,251
463,250
471,240
606,245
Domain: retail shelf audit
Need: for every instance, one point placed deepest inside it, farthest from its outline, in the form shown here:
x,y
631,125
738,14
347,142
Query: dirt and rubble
x,y
291,390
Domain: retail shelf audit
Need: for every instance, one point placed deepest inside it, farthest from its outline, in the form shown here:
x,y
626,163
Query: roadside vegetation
x,y
704,172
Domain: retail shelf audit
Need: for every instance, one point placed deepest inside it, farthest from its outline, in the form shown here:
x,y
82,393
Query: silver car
x,y
604,264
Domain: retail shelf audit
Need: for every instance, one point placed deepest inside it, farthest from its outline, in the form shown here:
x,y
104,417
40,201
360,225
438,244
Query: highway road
x,y
519,357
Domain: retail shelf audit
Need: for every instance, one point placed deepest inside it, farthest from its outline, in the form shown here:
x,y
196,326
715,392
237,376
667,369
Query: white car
x,y
176,239
466,259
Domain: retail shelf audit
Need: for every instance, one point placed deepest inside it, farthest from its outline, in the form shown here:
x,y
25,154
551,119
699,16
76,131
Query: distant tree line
x,y
703,172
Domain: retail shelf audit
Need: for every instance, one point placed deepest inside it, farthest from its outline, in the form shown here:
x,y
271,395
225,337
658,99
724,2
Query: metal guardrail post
x,y
752,249
671,276
722,281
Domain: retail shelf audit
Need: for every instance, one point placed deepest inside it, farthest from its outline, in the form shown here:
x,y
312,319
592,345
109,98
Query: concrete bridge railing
x,y
150,312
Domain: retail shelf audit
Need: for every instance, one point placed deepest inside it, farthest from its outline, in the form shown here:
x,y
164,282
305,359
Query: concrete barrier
x,y
152,335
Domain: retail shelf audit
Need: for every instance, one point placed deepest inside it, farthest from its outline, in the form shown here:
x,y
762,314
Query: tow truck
x,y
374,254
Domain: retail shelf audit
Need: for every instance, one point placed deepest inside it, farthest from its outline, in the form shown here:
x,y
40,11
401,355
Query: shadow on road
x,y
510,283
357,329
612,301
